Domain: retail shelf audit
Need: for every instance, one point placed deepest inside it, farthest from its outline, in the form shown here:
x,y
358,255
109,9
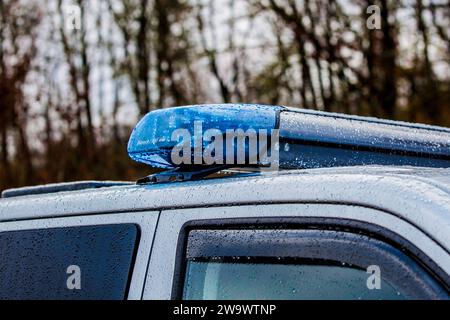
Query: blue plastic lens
x,y
155,136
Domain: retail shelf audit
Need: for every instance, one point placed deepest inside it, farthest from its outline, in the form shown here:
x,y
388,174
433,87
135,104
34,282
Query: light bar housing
x,y
152,140
307,139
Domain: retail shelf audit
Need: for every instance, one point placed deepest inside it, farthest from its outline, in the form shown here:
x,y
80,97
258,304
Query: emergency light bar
x,y
243,135
203,135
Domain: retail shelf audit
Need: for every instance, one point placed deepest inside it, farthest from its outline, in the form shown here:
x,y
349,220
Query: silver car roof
x,y
420,196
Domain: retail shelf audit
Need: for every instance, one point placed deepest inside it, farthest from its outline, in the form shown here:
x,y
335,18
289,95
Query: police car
x,y
251,202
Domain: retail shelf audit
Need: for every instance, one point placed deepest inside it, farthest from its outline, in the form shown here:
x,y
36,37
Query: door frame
x,y
173,225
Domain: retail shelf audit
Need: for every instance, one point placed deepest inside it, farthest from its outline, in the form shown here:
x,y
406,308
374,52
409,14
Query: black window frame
x,y
303,223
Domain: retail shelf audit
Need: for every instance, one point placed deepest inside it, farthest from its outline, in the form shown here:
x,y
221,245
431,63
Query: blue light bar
x,y
306,139
155,136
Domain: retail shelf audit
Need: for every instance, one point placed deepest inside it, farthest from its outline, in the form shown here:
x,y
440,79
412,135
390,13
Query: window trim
x,y
298,223
286,243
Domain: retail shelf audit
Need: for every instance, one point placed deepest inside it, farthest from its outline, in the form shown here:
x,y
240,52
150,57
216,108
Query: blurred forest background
x,y
76,75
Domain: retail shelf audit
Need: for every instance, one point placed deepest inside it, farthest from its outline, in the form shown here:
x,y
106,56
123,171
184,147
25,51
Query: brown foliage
x,y
147,54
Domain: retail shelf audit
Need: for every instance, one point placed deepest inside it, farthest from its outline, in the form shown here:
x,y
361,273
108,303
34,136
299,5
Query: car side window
x,y
85,262
300,264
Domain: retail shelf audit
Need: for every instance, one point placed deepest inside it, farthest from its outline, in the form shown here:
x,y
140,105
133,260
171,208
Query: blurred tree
x,y
75,48
18,24
154,45
69,96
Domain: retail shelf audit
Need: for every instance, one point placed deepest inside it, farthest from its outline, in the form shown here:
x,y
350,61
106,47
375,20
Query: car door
x,y
293,251
78,257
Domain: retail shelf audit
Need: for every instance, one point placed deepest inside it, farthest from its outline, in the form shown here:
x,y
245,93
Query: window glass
x,y
276,281
89,262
